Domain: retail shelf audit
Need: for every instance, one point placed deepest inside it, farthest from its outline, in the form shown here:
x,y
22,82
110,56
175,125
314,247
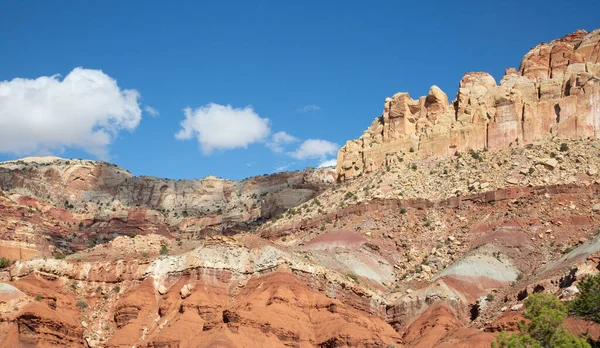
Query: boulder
x,y
186,290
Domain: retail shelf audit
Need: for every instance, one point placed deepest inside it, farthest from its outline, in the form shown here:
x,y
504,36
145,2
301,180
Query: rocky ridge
x,y
47,198
555,93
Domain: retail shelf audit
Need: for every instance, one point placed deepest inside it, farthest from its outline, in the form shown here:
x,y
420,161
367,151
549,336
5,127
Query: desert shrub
x,y
4,262
564,147
587,303
82,304
546,314
475,155
164,250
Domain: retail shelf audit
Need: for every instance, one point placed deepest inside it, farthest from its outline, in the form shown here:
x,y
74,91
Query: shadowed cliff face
x,y
555,92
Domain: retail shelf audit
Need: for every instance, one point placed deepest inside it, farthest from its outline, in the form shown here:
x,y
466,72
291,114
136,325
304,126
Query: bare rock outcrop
x,y
555,92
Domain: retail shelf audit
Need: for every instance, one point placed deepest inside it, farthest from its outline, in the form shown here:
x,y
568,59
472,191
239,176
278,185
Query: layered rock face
x,y
555,92
82,183
53,205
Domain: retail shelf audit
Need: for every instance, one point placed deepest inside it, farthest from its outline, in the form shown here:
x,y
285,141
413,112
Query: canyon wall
x,y
555,92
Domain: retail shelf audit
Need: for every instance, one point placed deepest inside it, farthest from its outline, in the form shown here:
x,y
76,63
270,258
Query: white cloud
x,y
279,139
328,163
310,107
284,167
84,110
221,127
315,148
152,111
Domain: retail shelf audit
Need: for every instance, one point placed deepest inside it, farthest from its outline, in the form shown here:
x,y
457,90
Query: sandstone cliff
x,y
555,92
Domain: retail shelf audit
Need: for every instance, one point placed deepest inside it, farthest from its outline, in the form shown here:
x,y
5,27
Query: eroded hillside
x,y
442,219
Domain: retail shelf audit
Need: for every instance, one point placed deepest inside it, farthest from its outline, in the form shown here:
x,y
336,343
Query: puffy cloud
x,y
310,107
151,111
328,163
85,110
279,139
221,127
315,148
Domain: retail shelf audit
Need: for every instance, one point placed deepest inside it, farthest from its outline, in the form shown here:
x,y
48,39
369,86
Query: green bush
x,y
564,147
402,211
546,314
4,262
353,277
475,155
164,250
82,304
587,303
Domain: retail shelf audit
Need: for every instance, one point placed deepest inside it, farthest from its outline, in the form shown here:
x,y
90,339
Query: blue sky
x,y
244,71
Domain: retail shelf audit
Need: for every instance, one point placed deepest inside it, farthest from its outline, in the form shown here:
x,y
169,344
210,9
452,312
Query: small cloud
x,y
315,148
328,163
310,107
151,111
284,167
279,139
222,127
